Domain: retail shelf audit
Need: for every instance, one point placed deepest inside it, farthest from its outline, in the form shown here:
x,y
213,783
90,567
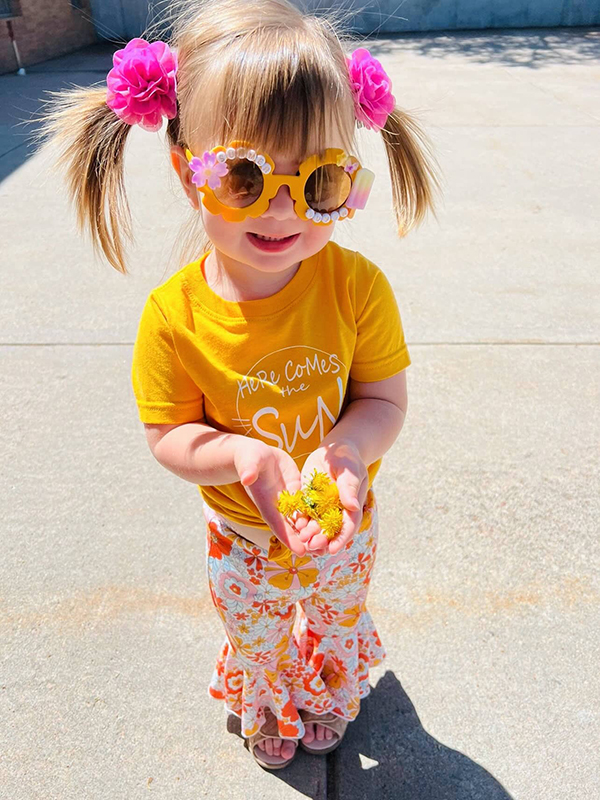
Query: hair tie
x,y
142,85
372,90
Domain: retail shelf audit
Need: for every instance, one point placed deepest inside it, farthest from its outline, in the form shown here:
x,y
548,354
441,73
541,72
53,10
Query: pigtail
x,y
413,170
90,140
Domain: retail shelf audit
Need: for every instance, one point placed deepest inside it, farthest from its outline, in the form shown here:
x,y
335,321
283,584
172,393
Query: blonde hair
x,y
260,70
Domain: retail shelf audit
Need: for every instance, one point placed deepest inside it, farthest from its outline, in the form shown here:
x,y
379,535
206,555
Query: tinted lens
x,y
327,188
242,185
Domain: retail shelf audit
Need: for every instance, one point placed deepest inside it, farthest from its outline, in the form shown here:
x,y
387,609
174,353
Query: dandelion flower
x,y
288,503
328,498
331,523
319,480
319,500
310,500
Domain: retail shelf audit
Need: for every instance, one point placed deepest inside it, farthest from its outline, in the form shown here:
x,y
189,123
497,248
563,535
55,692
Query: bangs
x,y
277,90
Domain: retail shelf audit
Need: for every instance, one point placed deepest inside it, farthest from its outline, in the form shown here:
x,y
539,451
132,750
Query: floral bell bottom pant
x,y
298,634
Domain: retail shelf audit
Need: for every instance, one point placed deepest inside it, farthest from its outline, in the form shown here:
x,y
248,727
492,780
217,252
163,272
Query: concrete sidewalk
x,y
486,593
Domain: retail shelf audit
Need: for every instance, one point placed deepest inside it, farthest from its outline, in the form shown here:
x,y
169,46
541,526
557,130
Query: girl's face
x,y
234,239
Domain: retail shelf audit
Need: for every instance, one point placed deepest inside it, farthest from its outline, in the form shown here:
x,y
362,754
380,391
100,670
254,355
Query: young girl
x,y
275,352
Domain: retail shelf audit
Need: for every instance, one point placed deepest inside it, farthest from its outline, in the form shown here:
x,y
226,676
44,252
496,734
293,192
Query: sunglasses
x,y
237,182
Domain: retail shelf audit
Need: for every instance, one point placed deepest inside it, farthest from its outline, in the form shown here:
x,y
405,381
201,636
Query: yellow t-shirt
x,y
276,368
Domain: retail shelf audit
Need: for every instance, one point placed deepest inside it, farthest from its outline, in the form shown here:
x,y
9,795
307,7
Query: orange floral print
x,y
298,633
220,545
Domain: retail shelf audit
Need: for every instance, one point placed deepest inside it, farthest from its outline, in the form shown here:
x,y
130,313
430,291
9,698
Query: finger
x,y
249,474
284,532
318,551
300,523
351,523
310,530
349,486
318,542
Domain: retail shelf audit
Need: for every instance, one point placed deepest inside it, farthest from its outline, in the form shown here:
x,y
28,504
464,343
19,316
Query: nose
x,y
282,205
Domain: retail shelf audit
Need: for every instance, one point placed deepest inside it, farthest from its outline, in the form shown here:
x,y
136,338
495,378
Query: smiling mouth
x,y
273,238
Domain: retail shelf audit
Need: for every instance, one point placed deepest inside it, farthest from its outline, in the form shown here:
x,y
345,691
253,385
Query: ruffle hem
x,y
319,673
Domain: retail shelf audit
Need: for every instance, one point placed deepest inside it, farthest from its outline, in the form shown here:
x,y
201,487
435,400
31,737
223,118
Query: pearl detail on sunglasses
x,y
317,216
232,153
239,150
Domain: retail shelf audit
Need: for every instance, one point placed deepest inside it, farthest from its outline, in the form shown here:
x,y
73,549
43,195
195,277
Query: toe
x,y
309,735
288,749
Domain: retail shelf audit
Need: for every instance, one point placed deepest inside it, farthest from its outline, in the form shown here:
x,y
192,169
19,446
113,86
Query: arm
x,y
366,430
200,454
194,451
373,419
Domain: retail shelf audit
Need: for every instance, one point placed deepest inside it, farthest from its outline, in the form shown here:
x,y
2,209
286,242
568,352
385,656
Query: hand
x,y
342,462
264,471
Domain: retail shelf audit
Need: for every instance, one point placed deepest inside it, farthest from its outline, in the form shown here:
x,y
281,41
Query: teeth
x,y
270,238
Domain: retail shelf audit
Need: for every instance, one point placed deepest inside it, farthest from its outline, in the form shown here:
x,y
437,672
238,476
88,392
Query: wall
x,y
127,18
46,29
120,19
393,16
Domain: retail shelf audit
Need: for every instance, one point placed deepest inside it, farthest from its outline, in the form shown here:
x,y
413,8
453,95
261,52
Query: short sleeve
x,y
164,391
380,350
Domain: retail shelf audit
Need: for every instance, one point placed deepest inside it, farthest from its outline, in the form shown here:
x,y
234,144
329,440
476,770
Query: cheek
x,y
219,230
318,235
226,235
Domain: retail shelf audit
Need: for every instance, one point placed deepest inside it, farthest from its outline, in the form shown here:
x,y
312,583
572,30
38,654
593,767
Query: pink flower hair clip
x,y
372,90
142,85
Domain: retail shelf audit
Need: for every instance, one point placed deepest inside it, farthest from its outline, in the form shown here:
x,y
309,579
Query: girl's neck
x,y
236,282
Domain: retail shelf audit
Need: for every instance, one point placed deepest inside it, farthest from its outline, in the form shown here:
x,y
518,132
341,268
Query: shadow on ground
x,y
533,48
387,754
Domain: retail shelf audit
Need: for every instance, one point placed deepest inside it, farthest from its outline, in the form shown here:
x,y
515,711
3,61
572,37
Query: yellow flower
x,y
310,500
319,500
288,503
329,498
319,480
331,523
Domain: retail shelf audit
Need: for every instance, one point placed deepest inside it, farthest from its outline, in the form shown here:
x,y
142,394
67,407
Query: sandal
x,y
331,721
270,730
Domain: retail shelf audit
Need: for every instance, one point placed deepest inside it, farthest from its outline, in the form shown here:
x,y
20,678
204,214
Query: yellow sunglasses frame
x,y
272,183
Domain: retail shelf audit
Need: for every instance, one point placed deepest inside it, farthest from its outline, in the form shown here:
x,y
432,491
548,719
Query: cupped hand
x,y
342,462
264,472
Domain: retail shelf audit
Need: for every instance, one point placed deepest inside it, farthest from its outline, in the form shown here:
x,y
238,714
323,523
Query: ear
x,y
182,168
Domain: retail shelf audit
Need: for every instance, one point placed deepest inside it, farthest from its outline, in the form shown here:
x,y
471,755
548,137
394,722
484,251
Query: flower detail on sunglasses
x,y
372,89
208,169
349,163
